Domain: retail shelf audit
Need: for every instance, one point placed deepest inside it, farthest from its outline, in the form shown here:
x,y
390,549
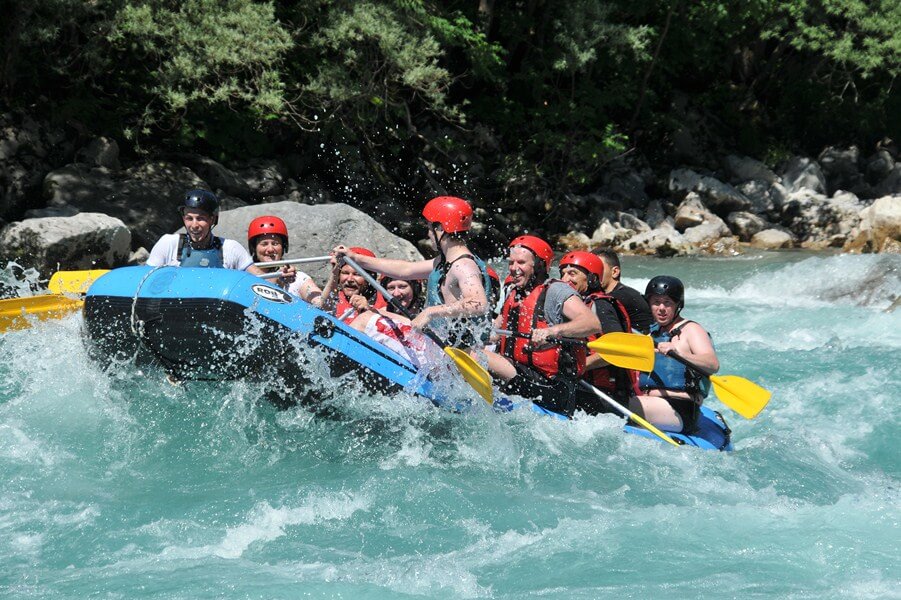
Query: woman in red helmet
x,y
457,279
540,368
267,240
584,271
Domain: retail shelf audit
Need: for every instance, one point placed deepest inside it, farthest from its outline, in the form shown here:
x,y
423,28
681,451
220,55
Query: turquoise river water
x,y
119,485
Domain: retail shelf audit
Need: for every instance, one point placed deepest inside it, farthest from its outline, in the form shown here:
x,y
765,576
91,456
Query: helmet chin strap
x,y
438,241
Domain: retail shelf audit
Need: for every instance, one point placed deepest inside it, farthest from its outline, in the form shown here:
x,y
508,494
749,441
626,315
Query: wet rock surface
x,y
846,198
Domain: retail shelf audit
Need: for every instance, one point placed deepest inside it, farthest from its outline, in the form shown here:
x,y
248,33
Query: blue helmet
x,y
204,200
666,285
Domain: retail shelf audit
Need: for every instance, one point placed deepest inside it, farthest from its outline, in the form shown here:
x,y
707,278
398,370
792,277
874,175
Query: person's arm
x,y
594,361
310,292
472,301
700,349
580,322
329,297
693,344
392,267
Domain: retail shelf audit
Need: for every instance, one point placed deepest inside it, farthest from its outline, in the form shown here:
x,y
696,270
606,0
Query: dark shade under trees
x,y
539,95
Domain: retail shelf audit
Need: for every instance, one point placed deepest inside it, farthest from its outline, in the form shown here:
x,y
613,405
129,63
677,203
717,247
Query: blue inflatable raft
x,y
220,324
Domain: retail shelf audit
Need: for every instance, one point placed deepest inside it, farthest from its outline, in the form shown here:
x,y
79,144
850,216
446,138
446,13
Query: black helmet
x,y
204,200
666,285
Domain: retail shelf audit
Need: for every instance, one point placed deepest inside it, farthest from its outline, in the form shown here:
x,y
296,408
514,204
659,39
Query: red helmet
x,y
586,260
454,214
265,226
537,246
363,251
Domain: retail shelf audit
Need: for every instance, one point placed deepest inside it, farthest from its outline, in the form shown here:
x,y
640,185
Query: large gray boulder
x,y
765,198
745,224
264,178
880,165
315,230
664,241
706,233
691,212
841,168
879,228
804,173
699,226
145,197
743,168
221,179
627,188
86,240
719,197
616,228
100,152
819,221
252,182
772,239
891,183
654,214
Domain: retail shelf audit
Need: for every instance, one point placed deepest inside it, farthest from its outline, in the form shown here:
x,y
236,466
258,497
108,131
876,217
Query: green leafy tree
x,y
203,53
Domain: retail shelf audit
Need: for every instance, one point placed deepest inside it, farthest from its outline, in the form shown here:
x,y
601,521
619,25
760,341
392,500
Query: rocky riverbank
x,y
839,200
71,201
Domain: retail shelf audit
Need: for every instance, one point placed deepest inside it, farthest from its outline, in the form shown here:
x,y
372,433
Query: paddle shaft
x,y
627,413
292,261
528,336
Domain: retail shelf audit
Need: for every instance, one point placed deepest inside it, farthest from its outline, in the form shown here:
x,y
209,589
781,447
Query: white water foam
x,y
265,523
855,280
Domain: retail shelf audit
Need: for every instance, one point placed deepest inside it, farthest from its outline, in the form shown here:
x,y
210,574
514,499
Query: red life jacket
x,y
523,316
610,378
344,305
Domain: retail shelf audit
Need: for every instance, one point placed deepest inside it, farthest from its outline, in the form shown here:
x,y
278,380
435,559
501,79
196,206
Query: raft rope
x,y
138,329
137,325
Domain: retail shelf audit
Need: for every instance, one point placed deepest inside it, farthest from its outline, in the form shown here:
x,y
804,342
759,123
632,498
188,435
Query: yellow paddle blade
x,y
74,282
741,395
474,374
626,350
15,312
